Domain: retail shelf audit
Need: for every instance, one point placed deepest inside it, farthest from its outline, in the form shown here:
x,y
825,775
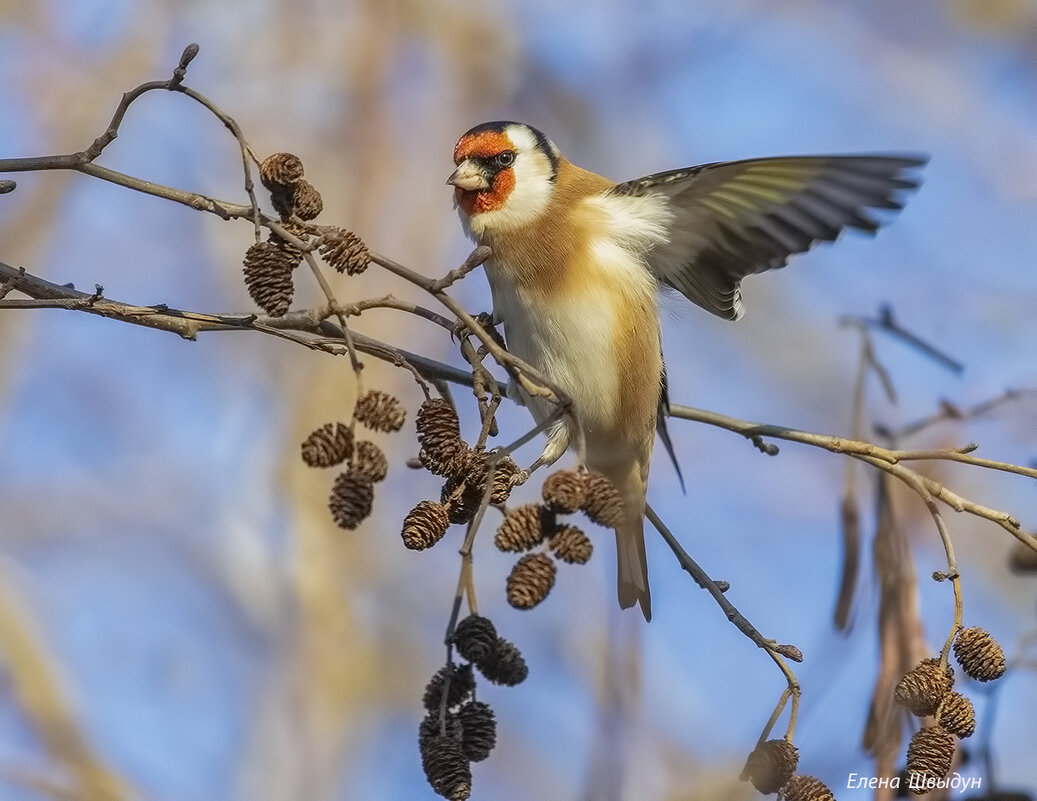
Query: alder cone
x,y
770,765
979,654
531,580
352,495
923,687
329,445
380,411
929,757
805,788
957,715
425,525
268,277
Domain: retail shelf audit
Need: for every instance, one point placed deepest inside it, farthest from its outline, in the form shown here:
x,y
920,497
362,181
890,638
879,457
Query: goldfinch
x,y
578,261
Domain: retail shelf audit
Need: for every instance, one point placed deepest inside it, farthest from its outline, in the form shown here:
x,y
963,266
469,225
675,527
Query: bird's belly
x,y
606,359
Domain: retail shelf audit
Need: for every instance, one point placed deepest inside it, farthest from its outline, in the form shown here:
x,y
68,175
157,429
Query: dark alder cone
x,y
345,251
280,170
328,445
504,665
531,580
571,545
957,715
770,765
462,499
475,638
805,788
425,525
565,491
268,277
307,202
603,504
446,767
523,528
979,654
929,756
923,687
432,725
351,497
439,434
380,411
282,199
462,682
369,460
478,730
503,470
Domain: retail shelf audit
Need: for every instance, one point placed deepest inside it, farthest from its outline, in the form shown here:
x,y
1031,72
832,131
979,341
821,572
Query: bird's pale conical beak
x,y
469,176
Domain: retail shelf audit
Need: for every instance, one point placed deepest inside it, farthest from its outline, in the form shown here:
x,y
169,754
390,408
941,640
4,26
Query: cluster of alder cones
x,y
458,729
926,692
268,265
535,530
352,493
771,767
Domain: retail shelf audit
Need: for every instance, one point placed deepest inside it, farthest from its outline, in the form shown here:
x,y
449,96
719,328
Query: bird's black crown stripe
x,y
543,143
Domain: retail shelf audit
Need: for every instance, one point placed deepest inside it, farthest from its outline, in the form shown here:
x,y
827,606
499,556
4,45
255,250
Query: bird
x,y
578,263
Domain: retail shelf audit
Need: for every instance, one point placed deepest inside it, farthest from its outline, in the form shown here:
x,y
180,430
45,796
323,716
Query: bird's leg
x,y
488,321
557,444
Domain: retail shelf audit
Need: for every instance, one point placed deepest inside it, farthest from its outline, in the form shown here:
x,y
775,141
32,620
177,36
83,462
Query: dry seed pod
x,y
292,253
345,251
351,497
432,725
923,687
307,202
957,715
478,730
268,277
565,491
370,461
425,525
504,665
475,638
328,445
603,504
805,788
929,756
461,499
531,580
979,654
462,682
446,767
771,765
571,545
280,170
380,411
504,471
524,527
439,434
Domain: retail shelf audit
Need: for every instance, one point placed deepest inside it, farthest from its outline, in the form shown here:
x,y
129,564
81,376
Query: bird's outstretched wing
x,y
732,219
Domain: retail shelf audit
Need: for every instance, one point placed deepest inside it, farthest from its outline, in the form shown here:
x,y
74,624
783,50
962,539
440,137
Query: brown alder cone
x,y
770,765
380,411
979,654
279,170
957,715
369,460
328,445
603,504
439,435
268,277
805,788
351,497
571,545
523,528
307,202
565,491
923,687
345,252
531,580
929,757
425,525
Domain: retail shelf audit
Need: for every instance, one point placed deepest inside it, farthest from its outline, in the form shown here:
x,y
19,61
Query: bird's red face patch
x,y
484,146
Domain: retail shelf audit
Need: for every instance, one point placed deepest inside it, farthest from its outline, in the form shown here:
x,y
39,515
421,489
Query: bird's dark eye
x,y
505,158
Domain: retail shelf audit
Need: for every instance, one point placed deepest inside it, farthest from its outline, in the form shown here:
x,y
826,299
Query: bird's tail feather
x,y
632,581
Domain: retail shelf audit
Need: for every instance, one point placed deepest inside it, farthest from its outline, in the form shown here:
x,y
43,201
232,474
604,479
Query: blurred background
x,y
180,618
